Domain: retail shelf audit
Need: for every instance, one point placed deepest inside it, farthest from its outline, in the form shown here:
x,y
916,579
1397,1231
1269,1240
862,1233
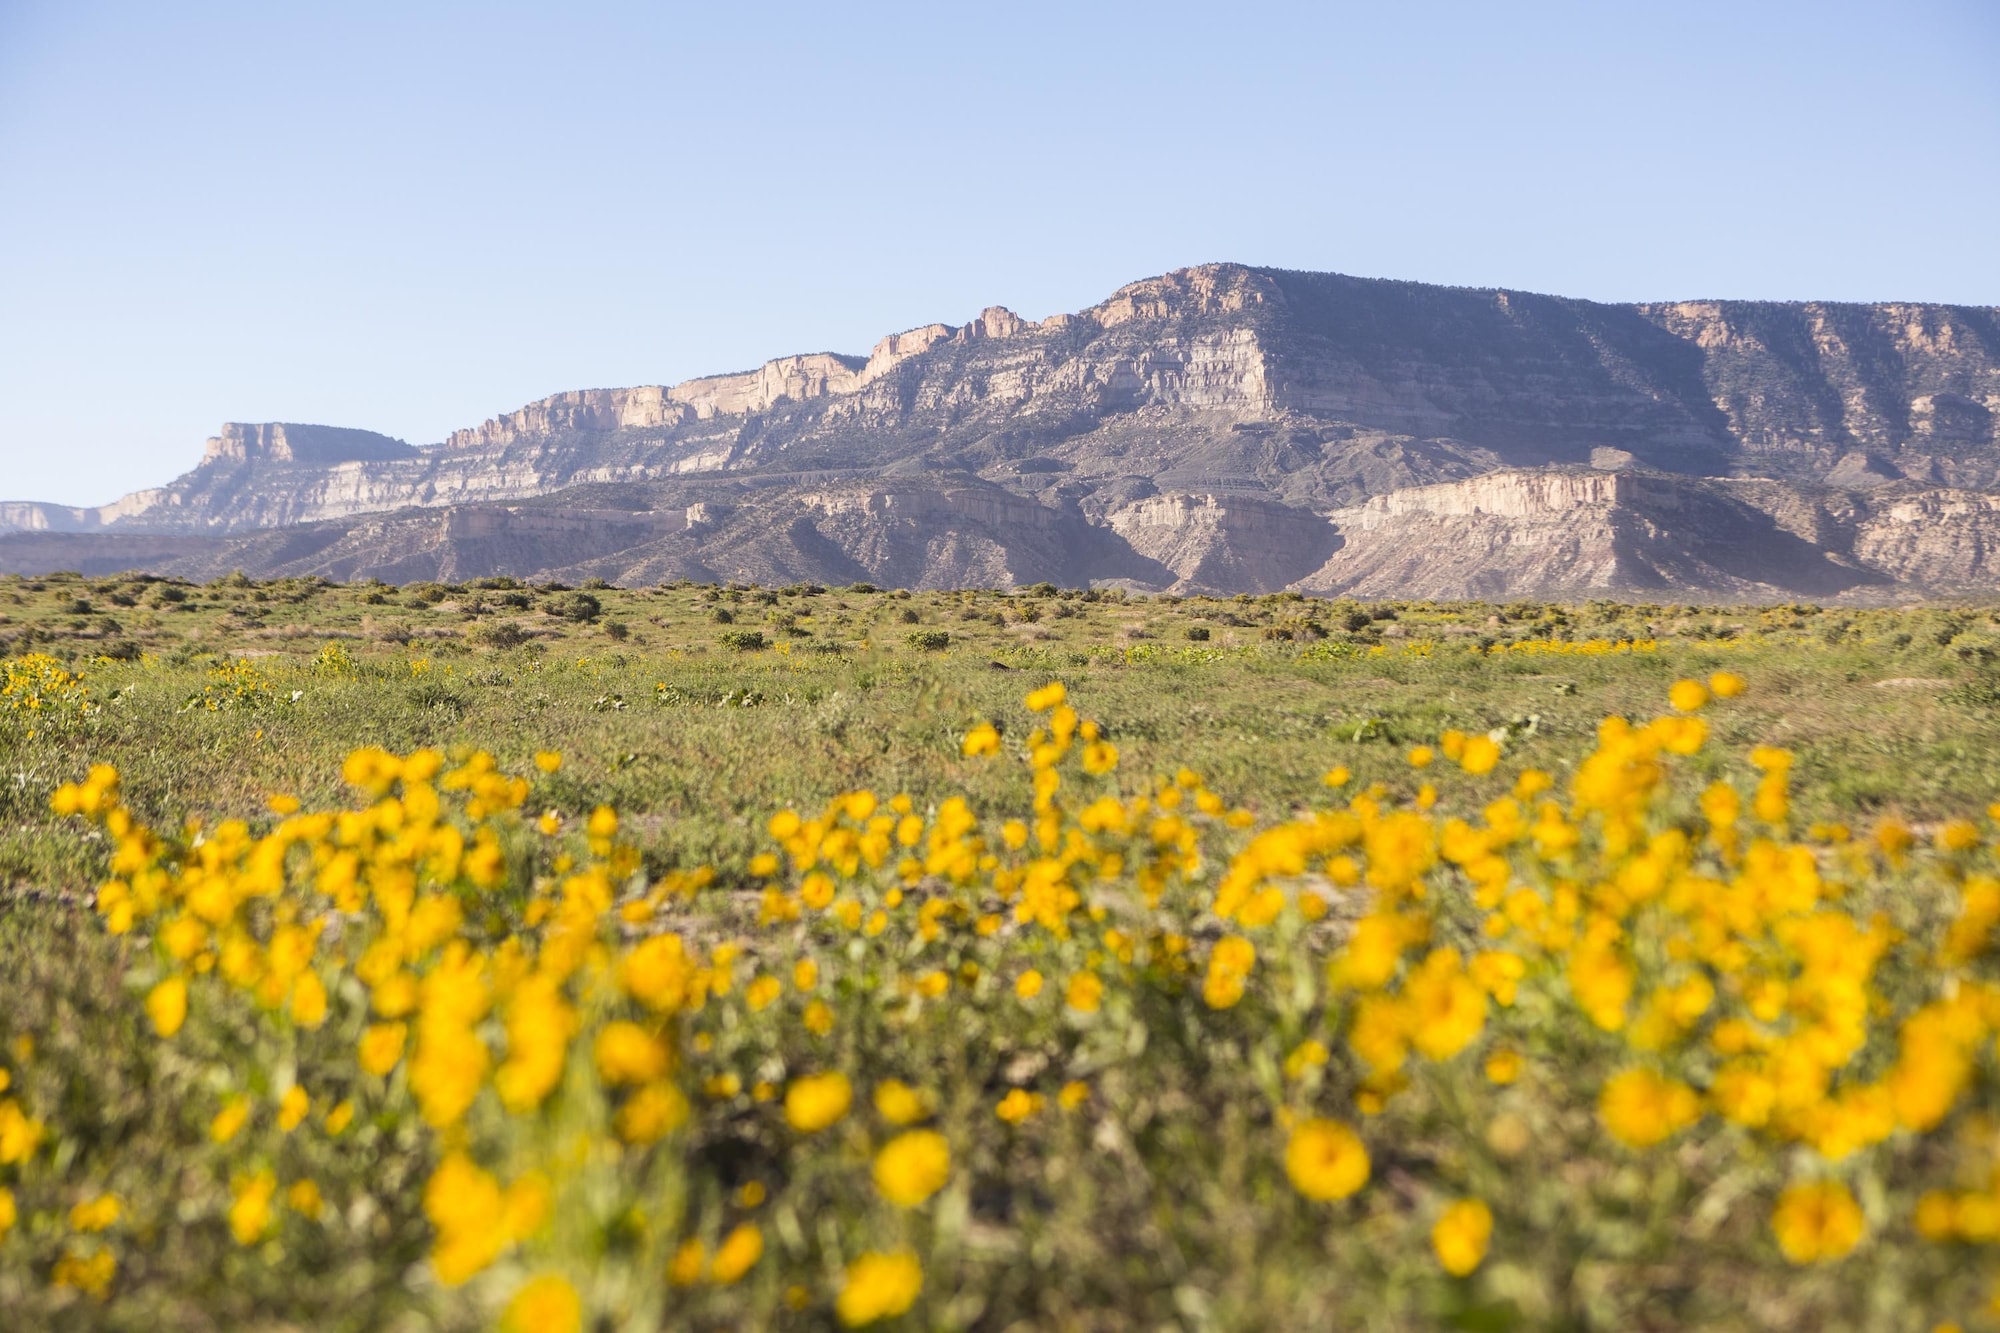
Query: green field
x,y
1155,1197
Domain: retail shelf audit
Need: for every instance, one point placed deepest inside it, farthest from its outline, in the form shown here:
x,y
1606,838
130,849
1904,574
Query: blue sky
x,y
410,216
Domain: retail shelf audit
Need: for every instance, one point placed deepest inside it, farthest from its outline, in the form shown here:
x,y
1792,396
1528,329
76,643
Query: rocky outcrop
x,y
1541,534
288,442
33,516
1225,544
1219,428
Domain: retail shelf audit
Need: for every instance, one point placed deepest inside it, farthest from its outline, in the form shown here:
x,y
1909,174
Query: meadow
x,y
547,958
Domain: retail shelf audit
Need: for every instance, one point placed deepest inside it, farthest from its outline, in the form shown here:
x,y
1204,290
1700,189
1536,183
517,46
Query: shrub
x,y
580,607
929,640
744,640
500,634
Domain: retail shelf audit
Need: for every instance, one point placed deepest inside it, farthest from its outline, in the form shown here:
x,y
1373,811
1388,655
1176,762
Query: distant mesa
x,y
290,442
1216,429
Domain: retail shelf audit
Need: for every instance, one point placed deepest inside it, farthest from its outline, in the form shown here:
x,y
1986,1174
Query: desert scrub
x,y
1120,1165
1423,1049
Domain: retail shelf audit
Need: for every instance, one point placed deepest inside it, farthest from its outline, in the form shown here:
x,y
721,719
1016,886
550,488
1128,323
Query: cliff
x,y
1228,428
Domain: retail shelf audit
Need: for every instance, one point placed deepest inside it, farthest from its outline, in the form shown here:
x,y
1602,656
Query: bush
x,y
1198,633
580,607
745,640
500,634
929,640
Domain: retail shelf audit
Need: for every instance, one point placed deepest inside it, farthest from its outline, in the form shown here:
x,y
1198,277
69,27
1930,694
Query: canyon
x,y
1218,429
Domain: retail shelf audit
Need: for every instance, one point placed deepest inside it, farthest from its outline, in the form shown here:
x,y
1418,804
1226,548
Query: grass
x,y
212,699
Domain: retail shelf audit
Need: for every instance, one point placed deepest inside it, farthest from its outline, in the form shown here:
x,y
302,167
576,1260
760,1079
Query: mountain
x,y
1221,429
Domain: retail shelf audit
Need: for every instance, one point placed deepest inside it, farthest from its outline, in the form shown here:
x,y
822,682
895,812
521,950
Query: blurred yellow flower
x,y
250,1206
1047,697
1687,695
229,1120
382,1047
1817,1221
912,1167
96,1214
1085,992
1504,1066
879,1286
303,1198
1461,1235
899,1103
167,1005
626,1053
1640,1108
737,1254
818,1100
690,1261
650,1114
544,1304
1325,1160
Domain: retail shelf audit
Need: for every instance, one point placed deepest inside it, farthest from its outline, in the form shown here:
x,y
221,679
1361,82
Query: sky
x,y
411,216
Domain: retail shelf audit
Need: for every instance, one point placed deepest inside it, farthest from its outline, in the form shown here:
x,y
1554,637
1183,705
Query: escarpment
x,y
1217,429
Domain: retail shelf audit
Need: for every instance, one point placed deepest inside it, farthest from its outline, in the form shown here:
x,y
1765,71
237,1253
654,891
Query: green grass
x,y
210,700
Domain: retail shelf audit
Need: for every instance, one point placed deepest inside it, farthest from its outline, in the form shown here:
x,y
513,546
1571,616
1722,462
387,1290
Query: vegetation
x,y
365,966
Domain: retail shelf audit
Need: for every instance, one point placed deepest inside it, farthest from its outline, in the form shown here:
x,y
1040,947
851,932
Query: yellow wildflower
x,y
626,1053
737,1254
96,1214
382,1047
912,1167
1325,1160
880,1286
229,1120
650,1114
1640,1108
1461,1235
899,1103
544,1304
166,1005
250,1207
1817,1221
818,1100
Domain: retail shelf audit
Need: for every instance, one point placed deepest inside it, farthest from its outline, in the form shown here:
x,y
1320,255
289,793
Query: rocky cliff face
x,y
286,442
1219,428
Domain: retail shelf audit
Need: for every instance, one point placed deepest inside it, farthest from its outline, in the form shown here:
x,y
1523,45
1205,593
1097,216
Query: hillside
x,y
1220,428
